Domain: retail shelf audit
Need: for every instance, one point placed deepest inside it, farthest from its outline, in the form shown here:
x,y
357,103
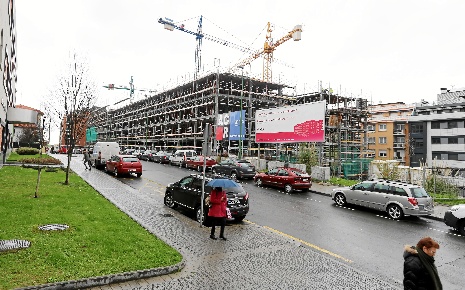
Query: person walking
x,y
420,272
86,159
217,212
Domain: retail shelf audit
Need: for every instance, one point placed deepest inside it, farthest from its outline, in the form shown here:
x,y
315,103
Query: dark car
x,y
187,194
236,168
161,157
124,165
287,178
147,155
197,163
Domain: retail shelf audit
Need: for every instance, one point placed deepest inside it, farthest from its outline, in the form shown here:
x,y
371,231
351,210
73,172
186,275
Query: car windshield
x,y
244,163
419,192
298,172
130,159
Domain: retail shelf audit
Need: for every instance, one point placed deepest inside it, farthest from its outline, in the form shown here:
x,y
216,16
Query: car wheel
x,y
258,182
239,218
138,174
233,175
198,216
288,188
340,199
115,172
395,212
169,201
461,227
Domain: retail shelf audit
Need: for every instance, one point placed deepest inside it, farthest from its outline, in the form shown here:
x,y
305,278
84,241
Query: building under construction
x,y
176,118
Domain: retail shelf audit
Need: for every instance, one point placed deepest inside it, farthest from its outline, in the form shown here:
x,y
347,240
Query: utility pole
x,y
240,123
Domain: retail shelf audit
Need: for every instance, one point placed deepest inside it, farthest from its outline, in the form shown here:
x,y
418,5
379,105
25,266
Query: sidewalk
x,y
253,257
439,210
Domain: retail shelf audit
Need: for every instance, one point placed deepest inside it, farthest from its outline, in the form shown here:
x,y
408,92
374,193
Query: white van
x,y
102,152
180,156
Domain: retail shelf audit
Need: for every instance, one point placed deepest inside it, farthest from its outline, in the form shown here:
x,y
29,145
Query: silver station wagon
x,y
394,197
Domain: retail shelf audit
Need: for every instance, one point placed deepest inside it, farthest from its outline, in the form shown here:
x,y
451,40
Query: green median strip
x,y
101,240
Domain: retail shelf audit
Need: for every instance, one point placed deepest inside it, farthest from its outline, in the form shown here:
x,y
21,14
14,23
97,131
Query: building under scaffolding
x,y
176,118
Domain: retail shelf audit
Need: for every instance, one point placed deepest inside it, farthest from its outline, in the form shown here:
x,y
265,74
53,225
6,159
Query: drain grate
x,y
53,227
166,215
7,245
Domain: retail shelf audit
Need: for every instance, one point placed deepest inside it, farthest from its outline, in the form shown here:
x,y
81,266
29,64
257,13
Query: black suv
x,y
187,193
236,168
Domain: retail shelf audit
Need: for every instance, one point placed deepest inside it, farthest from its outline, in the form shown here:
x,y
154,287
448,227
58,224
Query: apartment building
x,y
438,134
387,132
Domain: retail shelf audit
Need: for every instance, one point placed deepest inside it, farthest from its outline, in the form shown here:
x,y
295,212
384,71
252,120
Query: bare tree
x,y
29,135
70,103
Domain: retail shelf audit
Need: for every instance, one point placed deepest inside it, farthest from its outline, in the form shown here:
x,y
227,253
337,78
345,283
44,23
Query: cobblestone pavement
x,y
253,257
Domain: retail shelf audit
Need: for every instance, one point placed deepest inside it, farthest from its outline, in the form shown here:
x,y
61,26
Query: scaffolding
x,y
176,118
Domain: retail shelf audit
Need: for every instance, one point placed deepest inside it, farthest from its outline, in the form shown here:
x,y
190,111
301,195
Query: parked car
x,y
161,157
129,151
197,163
180,156
235,168
187,194
147,155
287,178
124,165
455,217
397,198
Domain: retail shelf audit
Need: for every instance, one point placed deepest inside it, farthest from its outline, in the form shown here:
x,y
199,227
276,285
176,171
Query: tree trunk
x,y
38,182
67,168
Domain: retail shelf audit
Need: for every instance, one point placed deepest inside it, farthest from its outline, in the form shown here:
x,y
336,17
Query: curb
x,y
109,279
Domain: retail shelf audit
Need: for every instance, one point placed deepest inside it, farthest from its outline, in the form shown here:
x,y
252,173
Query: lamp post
x,y
42,132
240,112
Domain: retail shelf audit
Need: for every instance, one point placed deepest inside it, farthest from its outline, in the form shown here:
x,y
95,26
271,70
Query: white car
x,y
455,217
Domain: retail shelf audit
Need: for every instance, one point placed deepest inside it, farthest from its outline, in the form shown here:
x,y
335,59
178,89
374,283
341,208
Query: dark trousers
x,y
221,221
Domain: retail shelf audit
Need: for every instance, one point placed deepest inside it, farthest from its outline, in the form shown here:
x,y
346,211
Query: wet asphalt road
x,y
373,242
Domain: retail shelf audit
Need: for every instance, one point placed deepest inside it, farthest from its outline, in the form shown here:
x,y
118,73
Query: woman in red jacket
x,y
217,212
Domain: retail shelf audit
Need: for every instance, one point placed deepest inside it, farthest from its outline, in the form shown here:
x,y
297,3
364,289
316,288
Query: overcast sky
x,y
385,51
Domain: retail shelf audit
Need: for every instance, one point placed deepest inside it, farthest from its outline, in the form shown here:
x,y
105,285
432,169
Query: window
x,y
371,140
382,127
382,153
283,173
451,124
363,186
382,140
381,188
273,171
398,191
453,156
435,125
370,127
435,140
400,127
418,143
417,128
453,140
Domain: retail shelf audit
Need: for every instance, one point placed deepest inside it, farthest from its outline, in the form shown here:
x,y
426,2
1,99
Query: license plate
x,y
132,170
305,179
233,201
249,169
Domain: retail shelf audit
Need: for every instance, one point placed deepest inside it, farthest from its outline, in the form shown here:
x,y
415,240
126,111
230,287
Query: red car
x,y
285,177
124,164
197,163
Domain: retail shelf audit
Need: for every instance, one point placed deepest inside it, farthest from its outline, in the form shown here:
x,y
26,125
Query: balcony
x,y
399,133
399,145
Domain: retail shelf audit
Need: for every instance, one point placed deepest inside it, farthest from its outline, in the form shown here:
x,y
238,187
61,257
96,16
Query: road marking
x,y
386,217
304,242
452,234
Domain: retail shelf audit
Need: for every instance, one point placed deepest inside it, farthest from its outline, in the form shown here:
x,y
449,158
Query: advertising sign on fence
x,y
291,124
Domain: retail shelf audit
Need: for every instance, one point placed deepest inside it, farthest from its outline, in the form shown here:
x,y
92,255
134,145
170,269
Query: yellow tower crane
x,y
268,49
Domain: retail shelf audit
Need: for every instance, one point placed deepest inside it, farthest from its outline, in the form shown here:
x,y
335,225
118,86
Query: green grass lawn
x,y
101,239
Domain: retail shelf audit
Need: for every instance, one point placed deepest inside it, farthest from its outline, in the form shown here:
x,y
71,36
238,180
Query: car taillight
x,y
246,197
413,200
121,164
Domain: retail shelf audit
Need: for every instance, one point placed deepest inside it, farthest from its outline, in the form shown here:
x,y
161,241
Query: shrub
x,y
45,160
27,151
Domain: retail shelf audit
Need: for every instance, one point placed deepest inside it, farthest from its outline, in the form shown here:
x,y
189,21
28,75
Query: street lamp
x,y
42,130
240,112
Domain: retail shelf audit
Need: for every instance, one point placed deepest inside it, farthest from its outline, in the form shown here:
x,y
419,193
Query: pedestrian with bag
x,y
86,159
420,272
217,212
